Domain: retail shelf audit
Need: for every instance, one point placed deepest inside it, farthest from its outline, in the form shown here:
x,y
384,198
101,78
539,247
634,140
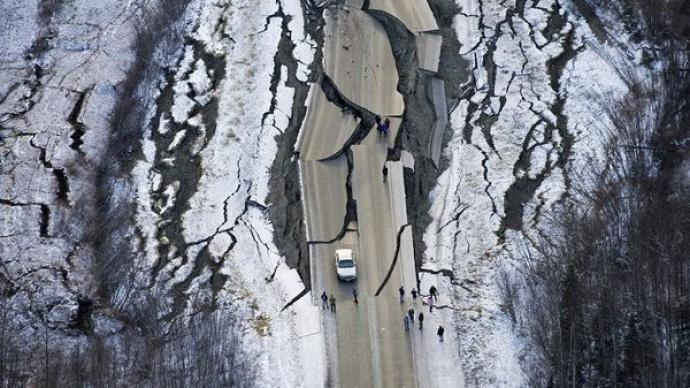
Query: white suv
x,y
345,264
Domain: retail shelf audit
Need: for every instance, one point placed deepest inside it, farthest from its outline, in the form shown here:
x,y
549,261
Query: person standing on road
x,y
401,290
386,126
354,294
434,292
410,313
430,302
382,128
439,333
421,320
324,300
385,173
332,303
414,295
406,322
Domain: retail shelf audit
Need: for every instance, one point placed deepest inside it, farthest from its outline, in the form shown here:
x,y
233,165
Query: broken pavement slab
x,y
324,194
381,213
358,58
428,50
398,204
326,128
416,15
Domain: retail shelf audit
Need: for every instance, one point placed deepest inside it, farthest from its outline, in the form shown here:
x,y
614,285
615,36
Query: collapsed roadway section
x,y
348,201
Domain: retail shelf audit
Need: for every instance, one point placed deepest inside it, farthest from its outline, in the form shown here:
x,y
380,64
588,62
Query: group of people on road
x,y
328,303
433,295
382,128
408,319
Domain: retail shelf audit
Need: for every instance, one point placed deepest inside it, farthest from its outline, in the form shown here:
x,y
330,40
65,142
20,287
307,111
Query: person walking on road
x,y
433,292
410,313
430,302
414,295
354,294
406,322
401,290
385,173
332,303
439,333
421,320
324,300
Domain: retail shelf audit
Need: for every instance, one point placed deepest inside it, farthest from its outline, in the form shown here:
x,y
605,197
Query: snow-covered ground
x,y
201,184
531,119
229,251
57,74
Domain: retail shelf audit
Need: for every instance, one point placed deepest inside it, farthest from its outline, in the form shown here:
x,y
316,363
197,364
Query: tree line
x,y
202,350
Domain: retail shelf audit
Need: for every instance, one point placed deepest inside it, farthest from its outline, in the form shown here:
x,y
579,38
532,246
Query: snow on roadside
x,y
236,170
503,134
305,47
437,363
227,211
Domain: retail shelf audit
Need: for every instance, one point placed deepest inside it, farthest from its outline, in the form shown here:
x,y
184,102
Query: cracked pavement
x,y
349,204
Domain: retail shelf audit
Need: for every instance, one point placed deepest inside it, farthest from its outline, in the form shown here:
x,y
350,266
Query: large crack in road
x,y
412,136
286,213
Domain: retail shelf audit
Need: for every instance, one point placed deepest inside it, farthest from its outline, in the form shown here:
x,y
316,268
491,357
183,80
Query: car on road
x,y
345,265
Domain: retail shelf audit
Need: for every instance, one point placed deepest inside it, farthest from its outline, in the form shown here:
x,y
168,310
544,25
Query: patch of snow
x,y
468,212
199,79
305,47
177,140
183,104
225,212
169,196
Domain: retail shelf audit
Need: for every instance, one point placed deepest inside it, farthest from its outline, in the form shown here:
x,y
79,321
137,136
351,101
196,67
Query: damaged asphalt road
x,y
347,202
